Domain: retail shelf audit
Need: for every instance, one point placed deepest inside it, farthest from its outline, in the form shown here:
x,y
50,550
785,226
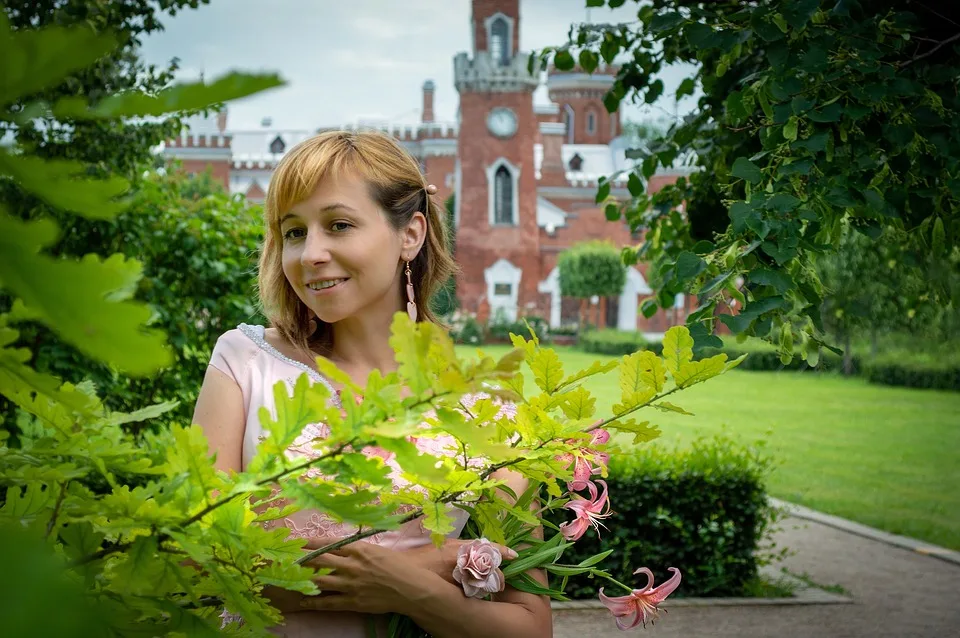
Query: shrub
x,y
500,328
616,342
198,247
703,509
914,372
468,331
764,357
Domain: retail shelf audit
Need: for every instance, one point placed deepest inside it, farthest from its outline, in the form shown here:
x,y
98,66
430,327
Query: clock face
x,y
502,122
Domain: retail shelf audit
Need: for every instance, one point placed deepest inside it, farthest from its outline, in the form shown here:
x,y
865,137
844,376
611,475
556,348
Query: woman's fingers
x,y
334,602
332,583
329,561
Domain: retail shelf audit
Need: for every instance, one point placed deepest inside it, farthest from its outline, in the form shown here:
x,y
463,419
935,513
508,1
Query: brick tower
x,y
497,237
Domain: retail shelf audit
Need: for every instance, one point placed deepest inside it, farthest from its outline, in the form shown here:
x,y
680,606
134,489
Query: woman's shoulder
x,y
236,348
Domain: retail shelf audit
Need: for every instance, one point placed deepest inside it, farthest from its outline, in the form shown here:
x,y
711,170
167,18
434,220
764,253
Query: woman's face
x,y
341,255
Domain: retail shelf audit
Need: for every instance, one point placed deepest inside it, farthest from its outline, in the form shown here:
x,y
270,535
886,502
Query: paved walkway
x,y
896,592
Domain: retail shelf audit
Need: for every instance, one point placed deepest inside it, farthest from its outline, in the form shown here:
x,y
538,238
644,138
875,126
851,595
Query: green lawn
x,y
883,456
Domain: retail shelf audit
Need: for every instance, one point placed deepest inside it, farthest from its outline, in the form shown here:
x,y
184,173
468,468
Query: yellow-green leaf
x,y
698,371
290,576
597,367
677,348
547,369
578,404
669,407
642,431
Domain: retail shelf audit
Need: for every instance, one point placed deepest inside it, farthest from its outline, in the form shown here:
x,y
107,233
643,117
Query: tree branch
x,y
952,38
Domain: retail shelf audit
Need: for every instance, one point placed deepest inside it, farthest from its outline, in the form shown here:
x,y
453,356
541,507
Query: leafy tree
x,y
166,552
197,245
816,116
445,299
872,288
590,269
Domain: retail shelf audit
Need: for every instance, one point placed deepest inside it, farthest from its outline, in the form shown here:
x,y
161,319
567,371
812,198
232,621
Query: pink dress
x,y
244,355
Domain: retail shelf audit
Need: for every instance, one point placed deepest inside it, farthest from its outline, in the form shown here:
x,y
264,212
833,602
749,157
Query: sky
x,y
359,59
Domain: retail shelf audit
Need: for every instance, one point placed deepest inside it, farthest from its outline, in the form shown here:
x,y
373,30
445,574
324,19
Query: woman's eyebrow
x,y
326,209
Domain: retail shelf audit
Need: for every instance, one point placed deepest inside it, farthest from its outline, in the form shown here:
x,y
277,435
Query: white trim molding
x,y
570,119
508,45
503,273
515,195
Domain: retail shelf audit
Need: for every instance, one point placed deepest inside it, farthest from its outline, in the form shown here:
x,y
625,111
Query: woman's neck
x,y
362,344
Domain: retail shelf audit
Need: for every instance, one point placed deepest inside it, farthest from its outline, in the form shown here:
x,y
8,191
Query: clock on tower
x,y
497,238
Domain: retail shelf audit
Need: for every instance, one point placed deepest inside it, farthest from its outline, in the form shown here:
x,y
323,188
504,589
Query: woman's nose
x,y
315,249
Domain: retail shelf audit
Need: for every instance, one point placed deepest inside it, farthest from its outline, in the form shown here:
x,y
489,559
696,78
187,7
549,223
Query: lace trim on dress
x,y
255,333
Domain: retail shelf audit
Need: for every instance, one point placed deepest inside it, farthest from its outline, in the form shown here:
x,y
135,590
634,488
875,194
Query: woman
x,y
350,228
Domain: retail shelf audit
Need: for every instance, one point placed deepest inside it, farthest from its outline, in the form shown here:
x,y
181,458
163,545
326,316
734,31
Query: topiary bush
x,y
616,342
703,509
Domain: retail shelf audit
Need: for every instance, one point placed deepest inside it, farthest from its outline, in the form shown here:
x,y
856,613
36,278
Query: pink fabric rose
x,y
478,568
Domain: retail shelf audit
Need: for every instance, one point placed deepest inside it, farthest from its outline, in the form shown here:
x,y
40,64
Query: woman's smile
x,y
326,286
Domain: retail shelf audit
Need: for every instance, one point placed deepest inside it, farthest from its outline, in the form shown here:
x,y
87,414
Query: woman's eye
x,y
292,233
339,227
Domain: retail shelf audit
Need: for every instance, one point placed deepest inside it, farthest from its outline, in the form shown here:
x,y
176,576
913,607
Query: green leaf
x,y
34,59
603,191
739,213
291,577
563,60
642,432
578,404
636,187
830,113
745,169
677,348
790,128
547,369
612,212
665,406
695,372
649,308
62,183
79,299
779,279
180,97
597,367
411,343
689,266
665,21
783,202
686,87
588,60
642,376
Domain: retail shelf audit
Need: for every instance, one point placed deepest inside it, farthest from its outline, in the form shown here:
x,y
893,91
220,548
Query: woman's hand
x,y
368,578
442,560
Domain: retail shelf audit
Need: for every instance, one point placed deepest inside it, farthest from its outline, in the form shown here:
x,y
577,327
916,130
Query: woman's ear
x,y
414,235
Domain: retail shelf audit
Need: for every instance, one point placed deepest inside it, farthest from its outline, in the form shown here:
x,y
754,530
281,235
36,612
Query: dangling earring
x,y
411,304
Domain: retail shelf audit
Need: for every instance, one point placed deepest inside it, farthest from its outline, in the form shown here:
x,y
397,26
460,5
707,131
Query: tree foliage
x,y
197,247
591,268
166,541
816,116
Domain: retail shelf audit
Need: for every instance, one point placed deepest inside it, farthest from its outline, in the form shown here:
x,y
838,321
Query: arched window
x,y
503,196
576,163
591,122
499,42
277,146
569,118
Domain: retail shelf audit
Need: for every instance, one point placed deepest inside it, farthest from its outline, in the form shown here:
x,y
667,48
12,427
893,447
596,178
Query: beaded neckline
x,y
256,334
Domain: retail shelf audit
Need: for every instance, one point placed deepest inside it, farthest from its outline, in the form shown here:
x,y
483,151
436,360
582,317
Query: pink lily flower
x,y
589,512
582,470
641,603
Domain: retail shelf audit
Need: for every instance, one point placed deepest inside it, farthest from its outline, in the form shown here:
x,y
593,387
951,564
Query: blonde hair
x,y
395,182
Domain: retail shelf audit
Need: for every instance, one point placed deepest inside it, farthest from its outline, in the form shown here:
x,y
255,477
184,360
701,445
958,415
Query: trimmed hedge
x,y
768,360
616,342
703,509
935,375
